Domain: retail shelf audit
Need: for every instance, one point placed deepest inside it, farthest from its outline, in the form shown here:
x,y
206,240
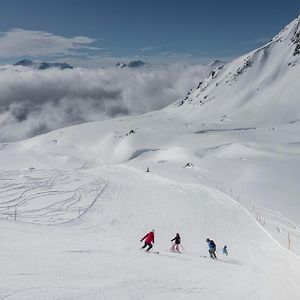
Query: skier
x,y
177,242
212,248
188,165
149,239
225,252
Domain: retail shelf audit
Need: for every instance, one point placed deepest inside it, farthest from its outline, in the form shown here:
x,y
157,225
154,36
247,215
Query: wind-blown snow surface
x,y
239,189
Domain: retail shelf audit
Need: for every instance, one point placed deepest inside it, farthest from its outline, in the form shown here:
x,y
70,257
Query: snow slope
x,y
76,201
97,257
261,87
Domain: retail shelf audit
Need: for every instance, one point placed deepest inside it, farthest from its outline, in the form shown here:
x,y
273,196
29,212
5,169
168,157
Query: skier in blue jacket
x,y
225,251
211,248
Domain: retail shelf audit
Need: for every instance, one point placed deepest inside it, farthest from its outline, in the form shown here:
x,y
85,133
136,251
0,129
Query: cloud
x,y
20,42
146,49
33,102
165,58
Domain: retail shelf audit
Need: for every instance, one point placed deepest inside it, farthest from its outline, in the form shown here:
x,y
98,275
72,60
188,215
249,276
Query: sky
x,y
100,32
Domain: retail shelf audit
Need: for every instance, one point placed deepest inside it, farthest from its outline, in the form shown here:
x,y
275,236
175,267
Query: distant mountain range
x,y
42,65
132,64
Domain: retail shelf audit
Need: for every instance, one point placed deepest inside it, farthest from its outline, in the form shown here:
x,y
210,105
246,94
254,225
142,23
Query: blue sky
x,y
94,32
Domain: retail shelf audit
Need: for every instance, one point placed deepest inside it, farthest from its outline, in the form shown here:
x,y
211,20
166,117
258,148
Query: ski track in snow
x,y
222,130
46,197
91,260
99,215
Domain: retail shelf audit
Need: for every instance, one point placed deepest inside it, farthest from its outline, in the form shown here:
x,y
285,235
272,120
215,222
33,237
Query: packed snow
x,y
75,202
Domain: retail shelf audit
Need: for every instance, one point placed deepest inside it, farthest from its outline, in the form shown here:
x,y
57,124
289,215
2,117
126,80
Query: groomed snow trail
x,y
98,256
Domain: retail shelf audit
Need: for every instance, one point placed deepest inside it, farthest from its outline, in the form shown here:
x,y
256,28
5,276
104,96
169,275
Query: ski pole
x,y
182,247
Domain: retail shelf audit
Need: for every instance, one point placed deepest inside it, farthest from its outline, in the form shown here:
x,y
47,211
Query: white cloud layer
x,y
33,102
20,42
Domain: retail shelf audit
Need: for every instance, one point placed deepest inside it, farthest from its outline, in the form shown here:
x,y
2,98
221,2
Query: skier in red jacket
x,y
149,239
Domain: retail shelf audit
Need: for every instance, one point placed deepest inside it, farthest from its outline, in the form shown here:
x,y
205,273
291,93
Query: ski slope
x,y
76,201
97,255
46,197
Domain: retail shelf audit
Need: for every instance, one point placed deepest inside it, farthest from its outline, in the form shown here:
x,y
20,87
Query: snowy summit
x,y
132,64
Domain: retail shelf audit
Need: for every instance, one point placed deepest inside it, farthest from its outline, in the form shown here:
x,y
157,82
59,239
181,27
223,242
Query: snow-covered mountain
x,y
224,163
260,87
217,63
132,64
120,65
42,65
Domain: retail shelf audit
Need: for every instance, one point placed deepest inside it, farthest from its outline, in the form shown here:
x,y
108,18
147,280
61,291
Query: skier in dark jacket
x,y
149,239
211,248
225,251
177,242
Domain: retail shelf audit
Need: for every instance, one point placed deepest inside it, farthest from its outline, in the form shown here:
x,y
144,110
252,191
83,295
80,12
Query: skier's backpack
x,y
212,244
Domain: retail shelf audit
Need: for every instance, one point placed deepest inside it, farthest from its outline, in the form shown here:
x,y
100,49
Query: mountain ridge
x,y
42,65
132,64
260,77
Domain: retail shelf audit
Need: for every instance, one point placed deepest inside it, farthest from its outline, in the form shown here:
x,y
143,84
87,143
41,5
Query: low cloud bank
x,y
34,102
20,42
